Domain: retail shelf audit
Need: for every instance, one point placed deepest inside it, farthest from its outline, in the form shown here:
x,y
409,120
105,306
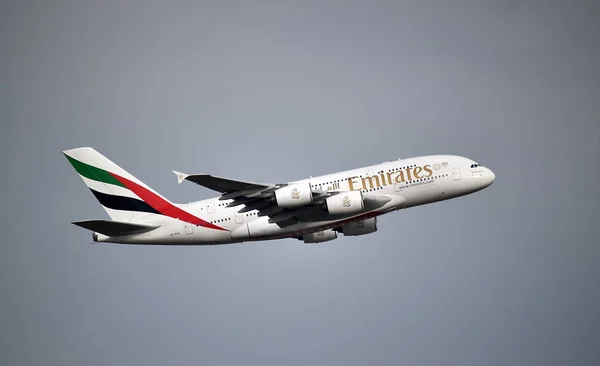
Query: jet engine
x,y
360,227
294,195
345,203
319,236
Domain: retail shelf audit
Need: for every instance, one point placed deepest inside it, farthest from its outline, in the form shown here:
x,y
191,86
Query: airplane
x,y
313,210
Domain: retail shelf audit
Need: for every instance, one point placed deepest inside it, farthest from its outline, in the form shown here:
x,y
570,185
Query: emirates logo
x,y
346,202
295,194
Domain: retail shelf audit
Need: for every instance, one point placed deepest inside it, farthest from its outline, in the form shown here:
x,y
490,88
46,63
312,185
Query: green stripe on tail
x,y
93,173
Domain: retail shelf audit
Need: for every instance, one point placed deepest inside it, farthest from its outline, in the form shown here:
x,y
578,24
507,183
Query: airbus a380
x,y
313,210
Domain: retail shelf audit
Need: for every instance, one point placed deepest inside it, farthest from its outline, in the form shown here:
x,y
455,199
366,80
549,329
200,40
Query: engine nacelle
x,y
360,227
319,236
345,203
294,195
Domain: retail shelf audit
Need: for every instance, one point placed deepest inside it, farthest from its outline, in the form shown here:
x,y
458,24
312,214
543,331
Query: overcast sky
x,y
278,91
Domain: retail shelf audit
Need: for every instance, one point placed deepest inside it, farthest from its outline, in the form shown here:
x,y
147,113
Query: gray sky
x,y
276,91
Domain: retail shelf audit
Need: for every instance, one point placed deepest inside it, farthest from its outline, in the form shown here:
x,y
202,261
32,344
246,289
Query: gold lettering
x,y
383,179
400,177
370,179
427,168
374,181
416,172
408,174
351,183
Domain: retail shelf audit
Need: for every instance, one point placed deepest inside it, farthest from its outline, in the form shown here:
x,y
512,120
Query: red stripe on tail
x,y
163,206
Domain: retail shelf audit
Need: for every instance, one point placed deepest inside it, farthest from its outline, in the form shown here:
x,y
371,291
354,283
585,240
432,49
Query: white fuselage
x,y
446,177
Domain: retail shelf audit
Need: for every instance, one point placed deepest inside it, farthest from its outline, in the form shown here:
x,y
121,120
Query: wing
x,y
224,185
260,197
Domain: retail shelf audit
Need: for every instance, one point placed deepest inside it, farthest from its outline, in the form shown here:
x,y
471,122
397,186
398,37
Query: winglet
x,y
180,176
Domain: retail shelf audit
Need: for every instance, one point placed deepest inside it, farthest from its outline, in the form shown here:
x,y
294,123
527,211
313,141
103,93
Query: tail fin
x,y
121,194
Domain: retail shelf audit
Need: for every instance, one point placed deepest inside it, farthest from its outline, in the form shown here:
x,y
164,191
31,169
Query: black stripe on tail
x,y
123,203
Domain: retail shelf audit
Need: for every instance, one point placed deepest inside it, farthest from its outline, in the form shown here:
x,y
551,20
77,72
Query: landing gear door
x,y
456,173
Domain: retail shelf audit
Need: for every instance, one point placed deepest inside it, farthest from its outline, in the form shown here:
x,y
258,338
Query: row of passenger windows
x,y
410,182
372,189
396,169
221,220
360,176
333,181
229,218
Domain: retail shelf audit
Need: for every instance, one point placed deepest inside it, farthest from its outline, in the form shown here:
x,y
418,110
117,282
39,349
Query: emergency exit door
x,y
239,218
456,173
210,207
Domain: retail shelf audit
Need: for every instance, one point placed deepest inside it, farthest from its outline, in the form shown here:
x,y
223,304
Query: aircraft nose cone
x,y
490,177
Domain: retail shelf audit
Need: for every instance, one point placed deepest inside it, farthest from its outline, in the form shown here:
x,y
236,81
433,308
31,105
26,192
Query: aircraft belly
x,y
262,228
241,233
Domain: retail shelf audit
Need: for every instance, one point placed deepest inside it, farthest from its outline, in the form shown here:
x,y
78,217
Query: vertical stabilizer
x,y
121,194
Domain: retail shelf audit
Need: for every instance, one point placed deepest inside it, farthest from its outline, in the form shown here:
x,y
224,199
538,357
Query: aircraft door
x,y
210,207
189,228
239,218
456,173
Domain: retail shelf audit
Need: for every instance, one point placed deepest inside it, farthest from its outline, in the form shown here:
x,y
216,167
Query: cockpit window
x,y
475,165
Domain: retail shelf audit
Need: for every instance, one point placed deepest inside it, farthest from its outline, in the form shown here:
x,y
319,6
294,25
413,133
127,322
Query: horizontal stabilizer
x,y
115,228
